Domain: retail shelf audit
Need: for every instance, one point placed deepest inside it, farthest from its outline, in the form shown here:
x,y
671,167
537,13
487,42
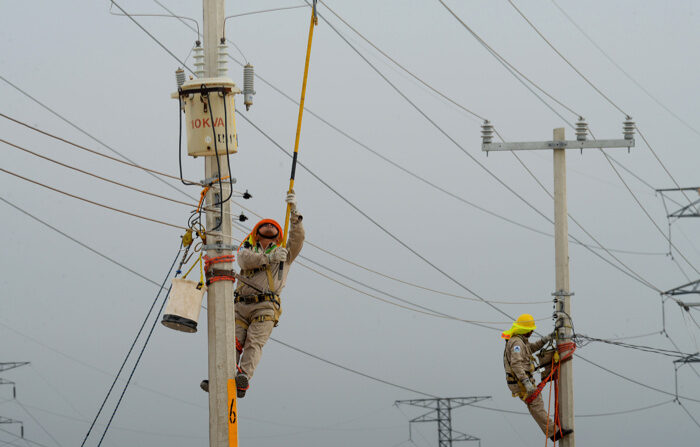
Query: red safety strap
x,y
208,262
561,347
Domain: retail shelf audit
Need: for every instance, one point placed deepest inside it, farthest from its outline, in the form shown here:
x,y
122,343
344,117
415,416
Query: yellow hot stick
x,y
314,20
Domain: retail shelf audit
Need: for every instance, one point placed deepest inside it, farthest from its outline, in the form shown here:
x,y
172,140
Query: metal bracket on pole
x,y
218,246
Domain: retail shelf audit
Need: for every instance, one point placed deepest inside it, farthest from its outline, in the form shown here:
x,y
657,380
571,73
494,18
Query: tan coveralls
x,y
255,320
519,365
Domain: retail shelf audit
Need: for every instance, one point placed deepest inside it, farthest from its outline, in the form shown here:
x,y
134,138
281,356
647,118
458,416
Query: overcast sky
x,y
73,314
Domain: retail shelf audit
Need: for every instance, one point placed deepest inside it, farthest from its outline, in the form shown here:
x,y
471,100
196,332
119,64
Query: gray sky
x,y
73,315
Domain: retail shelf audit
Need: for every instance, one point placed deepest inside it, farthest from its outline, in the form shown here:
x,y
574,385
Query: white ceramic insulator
x,y
628,127
487,132
248,85
581,129
222,59
198,61
180,77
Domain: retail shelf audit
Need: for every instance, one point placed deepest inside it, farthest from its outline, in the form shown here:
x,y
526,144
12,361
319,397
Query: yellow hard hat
x,y
524,324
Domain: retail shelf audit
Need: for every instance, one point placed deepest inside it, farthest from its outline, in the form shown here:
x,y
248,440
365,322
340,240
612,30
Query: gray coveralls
x,y
519,365
256,313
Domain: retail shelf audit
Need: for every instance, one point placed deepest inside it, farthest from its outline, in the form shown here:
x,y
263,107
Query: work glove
x,y
277,255
292,200
547,338
529,387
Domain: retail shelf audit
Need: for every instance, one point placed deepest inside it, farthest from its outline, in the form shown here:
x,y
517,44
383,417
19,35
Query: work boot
x,y
204,384
564,431
241,384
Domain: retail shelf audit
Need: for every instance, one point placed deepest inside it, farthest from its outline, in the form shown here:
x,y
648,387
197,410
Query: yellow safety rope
x,y
201,270
314,21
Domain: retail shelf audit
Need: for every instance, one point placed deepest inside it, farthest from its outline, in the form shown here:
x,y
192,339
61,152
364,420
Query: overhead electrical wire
x,y
131,348
92,151
48,433
429,183
619,109
582,358
143,348
632,273
623,71
114,182
132,271
571,125
139,216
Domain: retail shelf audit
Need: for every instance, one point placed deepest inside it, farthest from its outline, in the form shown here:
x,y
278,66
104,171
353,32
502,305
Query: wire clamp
x,y
218,246
211,180
562,293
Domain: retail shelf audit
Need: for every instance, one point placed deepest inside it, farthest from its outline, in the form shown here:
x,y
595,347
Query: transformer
x,y
210,117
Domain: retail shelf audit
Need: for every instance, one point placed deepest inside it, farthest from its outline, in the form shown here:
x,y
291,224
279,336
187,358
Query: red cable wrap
x,y
561,347
208,262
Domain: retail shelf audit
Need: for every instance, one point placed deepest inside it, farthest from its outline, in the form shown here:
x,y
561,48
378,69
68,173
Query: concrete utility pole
x,y
563,292
441,412
220,313
562,295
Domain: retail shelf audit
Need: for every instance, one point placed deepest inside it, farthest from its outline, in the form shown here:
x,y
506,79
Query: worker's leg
x,y
256,336
538,412
241,331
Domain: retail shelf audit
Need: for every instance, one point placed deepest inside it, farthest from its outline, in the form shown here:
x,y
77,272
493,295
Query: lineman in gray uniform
x,y
257,297
519,364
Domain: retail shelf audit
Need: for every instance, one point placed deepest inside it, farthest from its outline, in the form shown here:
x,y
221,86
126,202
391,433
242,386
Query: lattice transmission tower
x,y
441,412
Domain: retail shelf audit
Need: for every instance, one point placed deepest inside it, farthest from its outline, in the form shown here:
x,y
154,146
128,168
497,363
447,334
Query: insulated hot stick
x,y
314,21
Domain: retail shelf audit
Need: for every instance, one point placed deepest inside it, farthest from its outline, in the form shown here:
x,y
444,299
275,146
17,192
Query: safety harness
x,y
563,353
271,295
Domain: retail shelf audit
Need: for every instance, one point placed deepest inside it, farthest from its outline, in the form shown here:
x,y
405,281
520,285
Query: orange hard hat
x,y
253,236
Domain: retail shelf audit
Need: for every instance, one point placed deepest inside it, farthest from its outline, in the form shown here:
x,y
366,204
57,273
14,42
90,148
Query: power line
x,y
329,362
414,76
532,25
23,438
78,146
354,371
565,59
79,129
131,348
268,137
92,202
585,415
407,171
612,60
38,423
114,182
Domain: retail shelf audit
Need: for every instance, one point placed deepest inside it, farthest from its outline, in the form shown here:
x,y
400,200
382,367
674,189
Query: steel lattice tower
x,y
441,412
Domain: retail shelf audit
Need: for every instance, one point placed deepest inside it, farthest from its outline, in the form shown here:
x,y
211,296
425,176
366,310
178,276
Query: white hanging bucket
x,y
184,304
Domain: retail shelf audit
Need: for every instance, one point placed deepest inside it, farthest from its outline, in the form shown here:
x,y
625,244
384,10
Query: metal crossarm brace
x,y
685,289
4,366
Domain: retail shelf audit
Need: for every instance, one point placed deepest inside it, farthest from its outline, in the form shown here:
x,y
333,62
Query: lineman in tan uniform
x,y
257,297
519,365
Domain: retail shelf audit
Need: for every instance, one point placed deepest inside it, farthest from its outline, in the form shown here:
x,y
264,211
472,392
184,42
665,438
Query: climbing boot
x,y
241,384
204,384
564,431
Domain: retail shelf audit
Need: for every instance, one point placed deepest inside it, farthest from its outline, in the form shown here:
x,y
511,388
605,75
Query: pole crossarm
x,y
564,144
685,289
690,210
691,358
4,366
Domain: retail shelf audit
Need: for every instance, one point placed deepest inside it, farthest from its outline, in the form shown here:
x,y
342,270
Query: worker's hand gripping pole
x,y
314,21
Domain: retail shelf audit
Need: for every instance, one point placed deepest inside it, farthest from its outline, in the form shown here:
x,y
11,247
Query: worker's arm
x,y
537,345
296,235
248,259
